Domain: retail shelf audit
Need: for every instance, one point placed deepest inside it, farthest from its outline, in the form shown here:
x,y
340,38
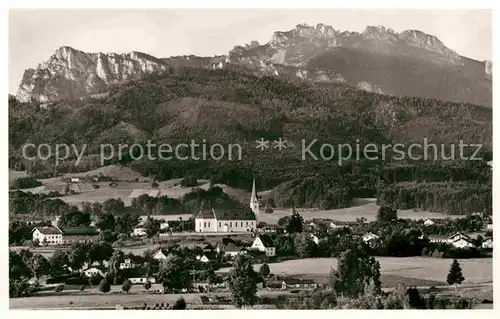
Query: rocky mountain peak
x,y
71,73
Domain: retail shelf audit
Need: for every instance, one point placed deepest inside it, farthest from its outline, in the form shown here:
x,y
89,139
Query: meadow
x,y
475,271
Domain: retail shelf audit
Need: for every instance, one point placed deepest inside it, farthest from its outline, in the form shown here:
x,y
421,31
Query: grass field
x,y
475,271
100,300
361,207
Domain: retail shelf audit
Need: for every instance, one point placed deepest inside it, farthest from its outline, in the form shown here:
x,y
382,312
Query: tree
x,y
114,206
126,285
39,266
114,262
74,218
174,273
180,304
104,285
268,210
295,224
152,227
455,276
264,270
355,271
106,221
386,214
243,281
304,245
58,262
147,285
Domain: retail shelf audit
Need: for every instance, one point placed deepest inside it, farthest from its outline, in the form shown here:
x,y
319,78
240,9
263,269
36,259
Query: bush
x,y
147,285
126,285
463,303
179,304
104,286
189,181
25,182
82,287
59,288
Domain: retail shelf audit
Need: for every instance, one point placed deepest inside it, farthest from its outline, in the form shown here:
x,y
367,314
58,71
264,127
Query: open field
x,y
475,271
100,300
362,207
126,177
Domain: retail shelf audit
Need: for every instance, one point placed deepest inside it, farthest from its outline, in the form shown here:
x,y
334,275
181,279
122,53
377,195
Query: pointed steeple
x,y
254,202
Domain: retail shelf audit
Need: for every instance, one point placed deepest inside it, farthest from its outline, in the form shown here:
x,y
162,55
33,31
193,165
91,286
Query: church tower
x,y
254,202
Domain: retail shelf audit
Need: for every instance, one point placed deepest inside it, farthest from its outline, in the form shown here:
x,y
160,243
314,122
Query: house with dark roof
x,y
225,220
78,234
265,244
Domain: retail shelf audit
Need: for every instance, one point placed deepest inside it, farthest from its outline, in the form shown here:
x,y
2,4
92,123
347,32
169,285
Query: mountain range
x,y
379,60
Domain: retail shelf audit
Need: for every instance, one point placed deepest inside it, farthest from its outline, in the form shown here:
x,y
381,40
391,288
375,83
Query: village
x,y
212,240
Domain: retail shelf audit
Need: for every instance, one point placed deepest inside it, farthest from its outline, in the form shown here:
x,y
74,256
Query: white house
x,y
489,226
141,280
314,238
139,232
429,222
75,180
226,221
160,255
369,237
339,224
487,244
202,258
265,244
48,235
127,264
92,272
462,243
232,250
164,225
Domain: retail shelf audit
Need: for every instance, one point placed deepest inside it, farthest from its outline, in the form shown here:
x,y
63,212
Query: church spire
x,y
254,202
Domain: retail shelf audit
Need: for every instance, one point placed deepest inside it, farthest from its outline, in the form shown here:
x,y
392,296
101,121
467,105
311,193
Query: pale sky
x,y
35,34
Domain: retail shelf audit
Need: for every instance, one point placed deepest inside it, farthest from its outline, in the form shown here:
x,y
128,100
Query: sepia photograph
x,y
243,159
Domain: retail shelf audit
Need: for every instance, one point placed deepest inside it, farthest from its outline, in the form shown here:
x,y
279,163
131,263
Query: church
x,y
218,220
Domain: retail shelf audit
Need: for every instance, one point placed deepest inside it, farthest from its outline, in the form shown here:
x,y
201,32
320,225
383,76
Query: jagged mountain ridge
x,y
409,63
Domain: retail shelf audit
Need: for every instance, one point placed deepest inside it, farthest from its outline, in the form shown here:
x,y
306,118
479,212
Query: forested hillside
x,y
221,106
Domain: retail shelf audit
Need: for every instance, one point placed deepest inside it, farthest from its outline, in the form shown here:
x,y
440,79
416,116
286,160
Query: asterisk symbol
x,y
262,144
280,144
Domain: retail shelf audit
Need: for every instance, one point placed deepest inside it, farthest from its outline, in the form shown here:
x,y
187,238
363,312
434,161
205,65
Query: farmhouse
x,y
429,222
234,220
202,258
370,238
294,283
232,250
127,264
67,235
160,254
141,280
487,244
265,244
339,224
92,272
462,243
314,238
48,235
139,232
457,240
